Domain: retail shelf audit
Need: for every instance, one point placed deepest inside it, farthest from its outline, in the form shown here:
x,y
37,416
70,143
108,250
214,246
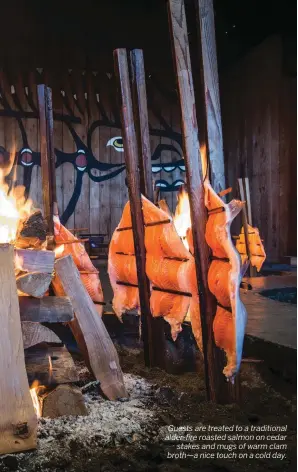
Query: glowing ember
x,y
13,209
50,369
181,218
33,392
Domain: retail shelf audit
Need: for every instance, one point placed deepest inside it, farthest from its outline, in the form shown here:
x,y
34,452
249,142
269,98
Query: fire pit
x,y
284,295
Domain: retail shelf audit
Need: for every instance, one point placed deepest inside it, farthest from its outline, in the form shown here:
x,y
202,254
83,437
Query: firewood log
x,y
34,283
64,400
46,310
17,419
35,333
29,260
32,232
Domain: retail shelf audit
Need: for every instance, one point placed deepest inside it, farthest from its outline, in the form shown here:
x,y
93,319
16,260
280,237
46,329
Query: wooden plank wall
x,y
87,140
259,130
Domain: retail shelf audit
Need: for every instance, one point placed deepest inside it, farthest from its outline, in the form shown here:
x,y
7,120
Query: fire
x,y
13,209
34,396
181,218
59,250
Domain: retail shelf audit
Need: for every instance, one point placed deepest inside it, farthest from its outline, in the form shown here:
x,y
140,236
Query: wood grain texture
x,y
46,309
215,383
35,333
260,142
206,29
29,260
18,422
134,191
139,95
50,365
101,351
46,126
35,283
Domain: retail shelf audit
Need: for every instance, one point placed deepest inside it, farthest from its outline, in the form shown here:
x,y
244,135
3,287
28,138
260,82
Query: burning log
x,y
17,421
50,365
35,333
32,232
46,310
35,284
102,354
64,400
29,260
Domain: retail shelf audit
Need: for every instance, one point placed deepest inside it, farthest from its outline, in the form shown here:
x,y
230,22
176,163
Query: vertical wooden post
x,y
133,182
216,385
47,156
139,99
210,112
140,109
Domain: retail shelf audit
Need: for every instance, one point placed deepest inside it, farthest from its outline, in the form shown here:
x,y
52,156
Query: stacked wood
x,y
17,420
100,352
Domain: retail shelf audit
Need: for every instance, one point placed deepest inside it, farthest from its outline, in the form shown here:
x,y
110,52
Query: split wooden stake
x,y
139,101
216,386
133,181
18,422
90,331
46,126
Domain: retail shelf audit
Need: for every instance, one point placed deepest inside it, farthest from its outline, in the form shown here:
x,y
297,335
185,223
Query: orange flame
x,y
34,396
59,250
13,209
181,218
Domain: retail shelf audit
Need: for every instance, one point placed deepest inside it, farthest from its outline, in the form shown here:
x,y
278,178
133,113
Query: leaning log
x,y
46,310
35,284
35,333
102,354
17,420
30,260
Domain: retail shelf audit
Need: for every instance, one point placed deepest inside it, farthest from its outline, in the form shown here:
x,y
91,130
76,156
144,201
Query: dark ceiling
x,y
78,34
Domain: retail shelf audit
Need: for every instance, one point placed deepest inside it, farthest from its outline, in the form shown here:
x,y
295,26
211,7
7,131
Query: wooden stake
x,y
245,225
18,422
139,101
133,181
47,152
102,354
216,386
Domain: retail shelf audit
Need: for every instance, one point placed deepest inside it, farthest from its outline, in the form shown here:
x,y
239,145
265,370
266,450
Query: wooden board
x,y
17,420
38,361
46,310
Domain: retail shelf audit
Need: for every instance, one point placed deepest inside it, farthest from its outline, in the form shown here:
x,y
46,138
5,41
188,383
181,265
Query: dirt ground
x,y
130,436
